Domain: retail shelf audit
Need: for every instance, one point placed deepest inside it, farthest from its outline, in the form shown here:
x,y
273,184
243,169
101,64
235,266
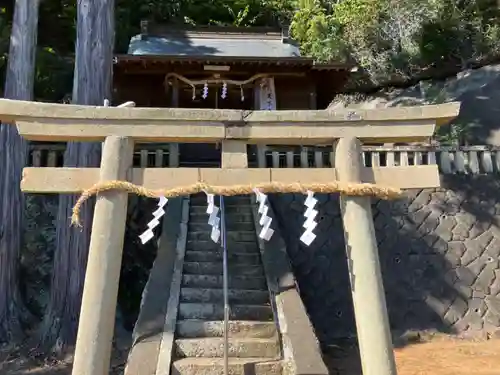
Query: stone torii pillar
x,y
372,322
97,316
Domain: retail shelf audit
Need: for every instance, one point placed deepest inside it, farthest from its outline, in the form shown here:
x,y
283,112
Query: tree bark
x,y
91,85
19,85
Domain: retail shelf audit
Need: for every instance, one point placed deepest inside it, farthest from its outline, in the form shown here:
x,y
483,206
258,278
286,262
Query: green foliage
x,y
5,20
398,38
37,253
53,75
317,31
357,14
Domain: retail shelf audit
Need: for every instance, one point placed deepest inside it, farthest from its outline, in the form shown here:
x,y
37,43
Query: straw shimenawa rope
x,y
352,189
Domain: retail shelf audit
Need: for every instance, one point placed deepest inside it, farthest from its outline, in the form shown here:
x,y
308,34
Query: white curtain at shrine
x,y
265,95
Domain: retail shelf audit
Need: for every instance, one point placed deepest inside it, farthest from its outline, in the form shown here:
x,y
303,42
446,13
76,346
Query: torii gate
x,y
120,128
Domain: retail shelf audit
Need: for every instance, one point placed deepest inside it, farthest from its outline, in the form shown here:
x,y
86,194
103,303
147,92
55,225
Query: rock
x,y
478,90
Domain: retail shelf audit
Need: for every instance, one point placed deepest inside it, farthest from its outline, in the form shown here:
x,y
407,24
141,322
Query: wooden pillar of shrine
x,y
372,322
97,316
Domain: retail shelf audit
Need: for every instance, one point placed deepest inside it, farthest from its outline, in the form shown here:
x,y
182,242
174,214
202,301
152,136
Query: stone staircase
x,y
254,345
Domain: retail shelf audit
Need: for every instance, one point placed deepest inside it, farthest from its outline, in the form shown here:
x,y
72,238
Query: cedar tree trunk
x,y
19,84
91,85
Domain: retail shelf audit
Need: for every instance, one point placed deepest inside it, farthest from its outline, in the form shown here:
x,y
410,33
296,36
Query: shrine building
x,y
225,68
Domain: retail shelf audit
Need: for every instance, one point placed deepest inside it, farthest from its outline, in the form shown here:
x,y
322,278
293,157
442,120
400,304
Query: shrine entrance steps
x,y
180,328
254,345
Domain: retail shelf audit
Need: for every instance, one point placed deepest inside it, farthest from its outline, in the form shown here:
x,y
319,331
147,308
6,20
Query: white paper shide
x,y
213,218
265,221
157,214
310,224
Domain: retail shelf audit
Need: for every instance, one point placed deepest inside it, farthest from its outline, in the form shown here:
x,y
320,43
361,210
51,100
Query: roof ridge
x,y
152,27
225,35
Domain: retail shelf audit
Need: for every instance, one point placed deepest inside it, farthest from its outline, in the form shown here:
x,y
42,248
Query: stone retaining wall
x,y
439,252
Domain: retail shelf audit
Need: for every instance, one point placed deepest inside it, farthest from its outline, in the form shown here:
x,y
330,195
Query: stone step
x,y
201,199
231,236
240,348
199,209
216,268
237,366
212,311
214,281
236,199
213,256
241,296
237,328
195,217
230,226
232,246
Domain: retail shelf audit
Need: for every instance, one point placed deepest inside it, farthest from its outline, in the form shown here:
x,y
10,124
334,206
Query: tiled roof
x,y
198,44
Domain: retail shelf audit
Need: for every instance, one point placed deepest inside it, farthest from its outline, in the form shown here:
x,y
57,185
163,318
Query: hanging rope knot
x,y
351,189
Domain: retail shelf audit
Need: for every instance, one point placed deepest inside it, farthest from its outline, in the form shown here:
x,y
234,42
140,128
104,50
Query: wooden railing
x,y
450,160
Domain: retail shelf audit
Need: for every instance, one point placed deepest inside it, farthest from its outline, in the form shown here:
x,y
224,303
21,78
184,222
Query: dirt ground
x,y
441,355
20,362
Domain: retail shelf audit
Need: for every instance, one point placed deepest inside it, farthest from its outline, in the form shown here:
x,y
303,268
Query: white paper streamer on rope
x,y
224,91
266,232
310,224
157,214
213,218
205,91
